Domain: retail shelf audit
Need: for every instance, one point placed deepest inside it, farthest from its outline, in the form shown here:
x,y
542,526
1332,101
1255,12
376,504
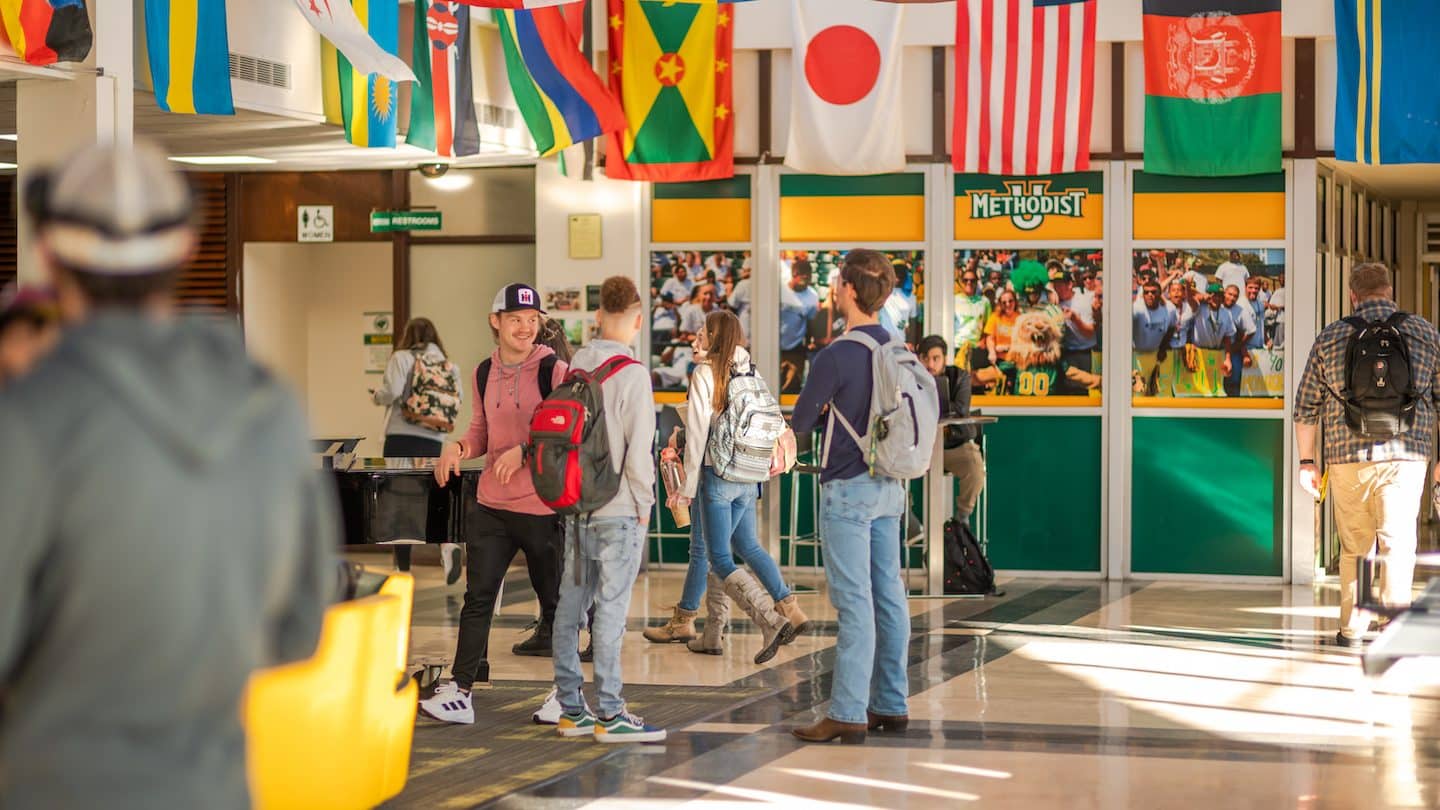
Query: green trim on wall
x,y
1206,496
1092,182
734,188
872,185
1148,183
1045,493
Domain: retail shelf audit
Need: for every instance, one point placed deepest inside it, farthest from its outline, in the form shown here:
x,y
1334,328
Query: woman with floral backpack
x,y
421,395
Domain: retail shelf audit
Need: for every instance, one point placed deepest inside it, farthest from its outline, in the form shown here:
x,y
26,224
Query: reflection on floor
x,y
1059,694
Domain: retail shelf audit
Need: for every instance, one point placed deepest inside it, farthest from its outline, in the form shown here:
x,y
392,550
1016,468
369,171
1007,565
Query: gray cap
x,y
118,211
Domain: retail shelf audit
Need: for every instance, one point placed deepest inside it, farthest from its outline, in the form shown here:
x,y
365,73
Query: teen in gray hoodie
x,y
608,542
163,532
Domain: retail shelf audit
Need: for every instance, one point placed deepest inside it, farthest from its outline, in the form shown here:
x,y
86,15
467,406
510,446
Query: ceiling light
x,y
222,160
433,170
7,166
12,137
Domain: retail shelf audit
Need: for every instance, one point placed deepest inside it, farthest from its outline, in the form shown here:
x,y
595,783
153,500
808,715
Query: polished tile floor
x,y
1058,694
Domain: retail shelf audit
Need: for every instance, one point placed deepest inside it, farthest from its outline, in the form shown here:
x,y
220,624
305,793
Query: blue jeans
x,y
699,568
608,558
860,529
728,510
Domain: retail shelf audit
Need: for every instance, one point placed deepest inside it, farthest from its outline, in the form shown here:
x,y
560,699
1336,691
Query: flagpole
x,y
587,47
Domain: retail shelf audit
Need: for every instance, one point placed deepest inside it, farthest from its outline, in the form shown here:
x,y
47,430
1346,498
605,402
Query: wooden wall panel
x,y
204,283
268,202
9,237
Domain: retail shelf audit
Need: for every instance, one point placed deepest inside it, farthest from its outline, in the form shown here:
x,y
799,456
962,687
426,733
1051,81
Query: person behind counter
x,y
421,395
164,532
962,448
29,328
511,518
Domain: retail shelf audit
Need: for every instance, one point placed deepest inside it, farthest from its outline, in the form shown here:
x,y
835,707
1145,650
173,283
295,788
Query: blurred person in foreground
x,y
164,532
29,328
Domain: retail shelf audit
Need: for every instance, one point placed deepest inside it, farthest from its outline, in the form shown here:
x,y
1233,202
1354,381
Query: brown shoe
x,y
790,609
681,627
887,722
827,730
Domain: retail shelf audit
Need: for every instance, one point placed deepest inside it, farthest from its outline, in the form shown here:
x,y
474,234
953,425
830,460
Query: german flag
x,y
870,208
43,32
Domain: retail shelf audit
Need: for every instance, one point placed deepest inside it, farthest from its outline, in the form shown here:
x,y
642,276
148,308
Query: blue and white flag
x,y
1387,98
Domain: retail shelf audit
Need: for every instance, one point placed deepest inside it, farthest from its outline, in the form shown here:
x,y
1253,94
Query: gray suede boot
x,y
711,640
752,598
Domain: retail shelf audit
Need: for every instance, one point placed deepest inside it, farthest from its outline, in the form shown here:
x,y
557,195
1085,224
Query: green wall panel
x,y
1045,493
1205,497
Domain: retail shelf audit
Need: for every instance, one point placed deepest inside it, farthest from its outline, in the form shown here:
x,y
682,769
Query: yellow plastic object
x,y
334,731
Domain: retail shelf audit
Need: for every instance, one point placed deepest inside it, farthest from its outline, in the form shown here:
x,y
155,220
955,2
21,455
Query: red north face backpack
x,y
570,446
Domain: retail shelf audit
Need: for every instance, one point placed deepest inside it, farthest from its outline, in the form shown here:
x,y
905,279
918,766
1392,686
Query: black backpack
x,y
545,376
1379,394
966,569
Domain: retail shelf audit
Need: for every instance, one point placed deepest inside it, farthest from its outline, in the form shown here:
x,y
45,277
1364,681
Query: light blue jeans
x,y
699,568
728,510
860,532
608,560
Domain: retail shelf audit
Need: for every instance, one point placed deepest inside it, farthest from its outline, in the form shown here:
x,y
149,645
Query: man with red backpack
x,y
605,484
511,517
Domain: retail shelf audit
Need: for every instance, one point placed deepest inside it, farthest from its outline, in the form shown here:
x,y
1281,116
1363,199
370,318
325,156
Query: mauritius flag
x,y
671,65
442,102
43,32
368,101
1212,87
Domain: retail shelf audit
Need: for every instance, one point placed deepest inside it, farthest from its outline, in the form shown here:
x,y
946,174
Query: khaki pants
x,y
968,466
1376,504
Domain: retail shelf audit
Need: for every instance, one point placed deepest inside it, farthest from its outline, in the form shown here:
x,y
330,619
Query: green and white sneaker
x,y
580,724
627,728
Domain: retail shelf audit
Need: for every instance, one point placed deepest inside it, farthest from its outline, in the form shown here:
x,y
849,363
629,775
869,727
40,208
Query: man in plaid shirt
x,y
1376,485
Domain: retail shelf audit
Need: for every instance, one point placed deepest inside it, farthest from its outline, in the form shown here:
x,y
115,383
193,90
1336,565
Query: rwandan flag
x,y
368,102
43,32
189,56
1393,122
442,101
559,95
1212,87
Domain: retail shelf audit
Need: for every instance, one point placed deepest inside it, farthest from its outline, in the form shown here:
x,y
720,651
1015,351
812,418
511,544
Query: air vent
x,y
1432,238
260,71
492,115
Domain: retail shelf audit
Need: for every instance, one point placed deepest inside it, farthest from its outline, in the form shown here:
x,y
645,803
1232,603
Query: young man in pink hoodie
x,y
511,517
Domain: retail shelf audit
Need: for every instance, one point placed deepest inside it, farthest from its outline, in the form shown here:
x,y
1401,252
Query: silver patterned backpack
x,y
743,436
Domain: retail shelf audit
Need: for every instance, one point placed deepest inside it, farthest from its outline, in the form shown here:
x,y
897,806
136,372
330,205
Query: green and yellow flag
x,y
671,65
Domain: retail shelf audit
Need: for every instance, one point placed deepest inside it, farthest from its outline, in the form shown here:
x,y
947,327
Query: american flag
x,y
1024,85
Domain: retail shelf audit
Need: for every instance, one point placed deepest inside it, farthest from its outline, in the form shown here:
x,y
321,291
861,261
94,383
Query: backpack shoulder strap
x,y
1359,323
1397,318
482,379
613,366
856,336
547,375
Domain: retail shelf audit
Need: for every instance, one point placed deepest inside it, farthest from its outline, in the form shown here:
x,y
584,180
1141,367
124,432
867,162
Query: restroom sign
x,y
315,223
1062,206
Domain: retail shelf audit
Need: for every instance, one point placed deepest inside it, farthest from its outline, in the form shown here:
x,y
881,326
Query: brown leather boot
x,y
790,609
887,722
717,619
827,730
681,627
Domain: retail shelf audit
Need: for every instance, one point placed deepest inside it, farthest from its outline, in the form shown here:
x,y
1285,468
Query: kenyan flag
x,y
1212,87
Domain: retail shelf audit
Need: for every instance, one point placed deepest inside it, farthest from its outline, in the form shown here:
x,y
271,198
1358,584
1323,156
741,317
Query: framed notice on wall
x,y
585,236
377,340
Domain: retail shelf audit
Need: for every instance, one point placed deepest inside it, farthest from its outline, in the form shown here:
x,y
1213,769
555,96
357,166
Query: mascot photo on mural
x,y
1033,367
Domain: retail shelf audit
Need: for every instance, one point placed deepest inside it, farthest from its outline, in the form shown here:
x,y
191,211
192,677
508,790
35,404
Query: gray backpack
x,y
904,412
743,436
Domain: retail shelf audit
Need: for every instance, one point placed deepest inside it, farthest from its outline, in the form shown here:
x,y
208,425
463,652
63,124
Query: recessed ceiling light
x,y
11,137
222,160
7,166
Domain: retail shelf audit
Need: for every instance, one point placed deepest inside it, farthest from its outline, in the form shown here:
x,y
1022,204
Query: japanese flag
x,y
845,113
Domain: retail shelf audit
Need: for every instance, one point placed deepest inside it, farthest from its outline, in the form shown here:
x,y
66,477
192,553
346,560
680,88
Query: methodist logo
x,y
1027,203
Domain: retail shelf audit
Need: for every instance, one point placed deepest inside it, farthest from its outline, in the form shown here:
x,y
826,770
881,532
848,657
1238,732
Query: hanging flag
x,y
189,56
341,22
43,32
367,100
1377,123
530,4
671,65
1024,86
559,95
1212,87
845,115
442,102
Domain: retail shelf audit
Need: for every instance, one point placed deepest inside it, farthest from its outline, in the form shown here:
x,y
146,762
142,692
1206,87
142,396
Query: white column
x,y
1116,429
1302,307
765,320
939,318
96,104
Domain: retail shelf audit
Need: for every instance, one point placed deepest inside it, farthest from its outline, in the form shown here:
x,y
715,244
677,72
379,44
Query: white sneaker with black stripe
x,y
449,704
450,562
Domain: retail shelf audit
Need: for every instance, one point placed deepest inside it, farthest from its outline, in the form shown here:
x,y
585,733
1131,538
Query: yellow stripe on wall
x,y
852,219
1210,216
1012,401
1090,226
181,93
700,221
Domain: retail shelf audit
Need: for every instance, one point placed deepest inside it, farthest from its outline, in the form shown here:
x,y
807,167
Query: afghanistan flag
x,y
1395,121
442,102
670,65
1212,87
368,102
43,32
189,56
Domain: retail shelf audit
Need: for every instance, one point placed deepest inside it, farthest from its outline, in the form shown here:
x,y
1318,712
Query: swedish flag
x,y
1387,96
189,56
